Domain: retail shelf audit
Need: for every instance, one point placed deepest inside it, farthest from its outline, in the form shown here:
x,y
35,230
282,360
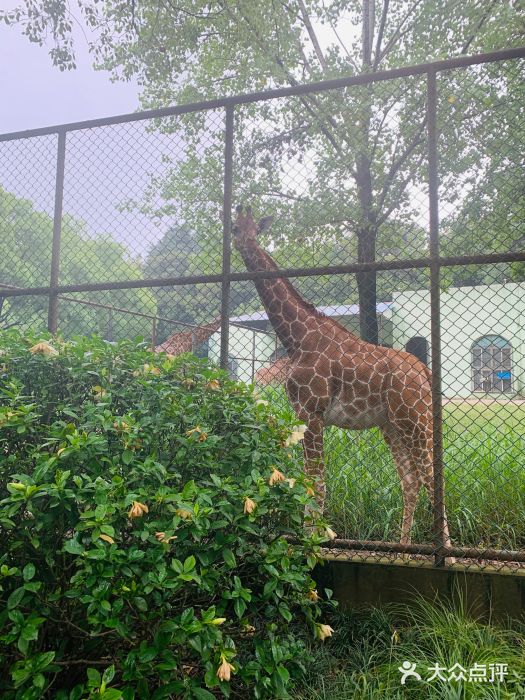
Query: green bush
x,y
130,563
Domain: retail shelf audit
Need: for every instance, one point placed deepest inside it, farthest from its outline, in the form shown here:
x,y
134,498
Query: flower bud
x,y
43,348
224,670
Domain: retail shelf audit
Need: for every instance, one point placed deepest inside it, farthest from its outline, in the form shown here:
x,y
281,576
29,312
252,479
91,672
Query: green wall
x,y
467,314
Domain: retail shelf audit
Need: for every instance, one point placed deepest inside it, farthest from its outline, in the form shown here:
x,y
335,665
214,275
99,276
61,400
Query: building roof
x,y
340,310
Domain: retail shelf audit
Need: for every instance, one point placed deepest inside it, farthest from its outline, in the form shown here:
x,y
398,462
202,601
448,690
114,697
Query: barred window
x,y
492,364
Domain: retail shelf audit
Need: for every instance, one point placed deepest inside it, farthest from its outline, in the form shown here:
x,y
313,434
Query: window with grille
x,y
492,364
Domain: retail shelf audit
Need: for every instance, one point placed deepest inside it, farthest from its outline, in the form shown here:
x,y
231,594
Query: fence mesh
x,y
345,175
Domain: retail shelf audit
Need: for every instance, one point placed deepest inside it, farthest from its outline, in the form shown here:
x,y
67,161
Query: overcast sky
x,y
34,93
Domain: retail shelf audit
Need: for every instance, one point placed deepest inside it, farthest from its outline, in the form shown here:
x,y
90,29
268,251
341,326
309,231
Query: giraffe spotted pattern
x,y
188,341
335,378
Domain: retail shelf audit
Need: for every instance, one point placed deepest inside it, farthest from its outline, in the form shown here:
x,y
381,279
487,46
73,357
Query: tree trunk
x,y
367,289
366,253
367,231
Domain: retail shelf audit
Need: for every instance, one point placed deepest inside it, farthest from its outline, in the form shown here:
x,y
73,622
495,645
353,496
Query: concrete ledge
x,y
485,593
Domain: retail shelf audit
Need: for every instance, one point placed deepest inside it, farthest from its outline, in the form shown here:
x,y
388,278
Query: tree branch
x,y
397,164
478,26
380,128
401,189
397,33
313,36
377,51
293,82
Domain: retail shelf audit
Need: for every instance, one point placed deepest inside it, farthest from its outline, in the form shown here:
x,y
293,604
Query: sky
x,y
35,93
103,167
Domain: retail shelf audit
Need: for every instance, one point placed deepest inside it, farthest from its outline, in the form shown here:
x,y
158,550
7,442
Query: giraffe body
x,y
335,378
187,341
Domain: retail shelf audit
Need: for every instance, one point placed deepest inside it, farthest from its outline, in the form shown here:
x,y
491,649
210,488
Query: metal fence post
x,y
52,316
153,334
226,236
435,320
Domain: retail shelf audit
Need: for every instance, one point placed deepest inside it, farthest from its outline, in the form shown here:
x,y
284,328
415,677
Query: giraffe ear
x,y
264,224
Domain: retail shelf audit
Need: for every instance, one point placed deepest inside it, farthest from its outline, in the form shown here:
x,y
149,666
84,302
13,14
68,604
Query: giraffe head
x,y
245,229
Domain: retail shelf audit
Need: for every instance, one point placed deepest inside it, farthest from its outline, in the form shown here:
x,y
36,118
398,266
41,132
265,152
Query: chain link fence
x,y
398,213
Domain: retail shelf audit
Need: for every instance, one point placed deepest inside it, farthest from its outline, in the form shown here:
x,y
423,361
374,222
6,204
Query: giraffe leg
x,y
408,476
313,458
428,480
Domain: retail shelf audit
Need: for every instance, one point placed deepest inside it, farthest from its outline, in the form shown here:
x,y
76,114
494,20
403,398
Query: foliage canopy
x,y
142,536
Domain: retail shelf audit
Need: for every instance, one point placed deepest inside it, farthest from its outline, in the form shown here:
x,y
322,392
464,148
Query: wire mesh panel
x,y
27,195
401,351
336,168
481,116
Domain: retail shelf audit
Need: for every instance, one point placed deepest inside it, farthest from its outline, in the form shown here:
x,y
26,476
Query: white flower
x,y
297,435
249,505
323,631
330,533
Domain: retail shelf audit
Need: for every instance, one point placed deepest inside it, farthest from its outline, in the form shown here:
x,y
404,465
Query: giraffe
x,y
335,378
187,341
275,373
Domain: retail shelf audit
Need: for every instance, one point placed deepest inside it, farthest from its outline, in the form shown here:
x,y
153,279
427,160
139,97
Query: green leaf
x,y
43,660
127,457
283,672
189,564
140,603
147,654
285,612
76,693
15,598
239,606
28,572
73,546
202,694
94,678
39,681
229,558
269,587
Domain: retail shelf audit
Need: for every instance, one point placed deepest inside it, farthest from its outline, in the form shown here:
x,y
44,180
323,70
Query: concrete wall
x,y
467,314
249,350
488,595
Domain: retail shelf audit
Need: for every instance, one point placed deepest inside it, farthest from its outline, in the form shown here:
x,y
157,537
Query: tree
x,y
25,259
491,217
338,165
175,255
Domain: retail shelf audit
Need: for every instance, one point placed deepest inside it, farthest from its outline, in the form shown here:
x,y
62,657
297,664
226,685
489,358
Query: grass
x,y
484,454
362,659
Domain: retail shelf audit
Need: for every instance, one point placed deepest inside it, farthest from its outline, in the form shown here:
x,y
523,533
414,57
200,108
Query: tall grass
x,y
484,454
362,660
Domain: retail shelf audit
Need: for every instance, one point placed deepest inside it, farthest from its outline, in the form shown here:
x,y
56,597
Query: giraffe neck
x,y
282,302
202,333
